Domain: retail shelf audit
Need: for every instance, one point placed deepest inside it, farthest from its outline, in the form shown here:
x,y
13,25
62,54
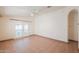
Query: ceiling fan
x,y
36,11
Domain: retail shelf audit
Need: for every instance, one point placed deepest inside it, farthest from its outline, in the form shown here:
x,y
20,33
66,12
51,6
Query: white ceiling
x,y
22,10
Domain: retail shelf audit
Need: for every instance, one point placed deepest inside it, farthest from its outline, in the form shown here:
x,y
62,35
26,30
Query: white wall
x,y
45,24
52,25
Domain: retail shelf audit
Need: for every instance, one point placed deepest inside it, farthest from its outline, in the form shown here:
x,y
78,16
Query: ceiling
x,y
27,11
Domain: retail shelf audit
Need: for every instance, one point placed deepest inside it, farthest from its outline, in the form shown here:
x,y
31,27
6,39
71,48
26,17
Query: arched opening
x,y
72,25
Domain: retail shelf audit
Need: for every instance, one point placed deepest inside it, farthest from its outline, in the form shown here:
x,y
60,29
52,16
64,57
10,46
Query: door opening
x,y
72,25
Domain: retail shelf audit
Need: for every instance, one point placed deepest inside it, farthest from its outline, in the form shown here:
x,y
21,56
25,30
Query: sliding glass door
x,y
26,28
20,28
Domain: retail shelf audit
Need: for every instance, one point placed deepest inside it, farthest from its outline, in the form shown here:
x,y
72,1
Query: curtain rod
x,y
20,20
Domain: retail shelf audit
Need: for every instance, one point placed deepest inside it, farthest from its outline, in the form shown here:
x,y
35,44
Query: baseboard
x,y
16,38
7,39
49,38
73,40
34,35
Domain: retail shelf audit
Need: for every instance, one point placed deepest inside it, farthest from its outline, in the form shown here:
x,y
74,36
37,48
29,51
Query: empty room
x,y
39,29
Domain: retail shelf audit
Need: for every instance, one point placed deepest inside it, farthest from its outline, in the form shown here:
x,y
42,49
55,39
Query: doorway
x,y
72,25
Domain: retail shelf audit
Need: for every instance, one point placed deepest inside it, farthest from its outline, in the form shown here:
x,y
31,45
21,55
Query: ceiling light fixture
x,y
31,14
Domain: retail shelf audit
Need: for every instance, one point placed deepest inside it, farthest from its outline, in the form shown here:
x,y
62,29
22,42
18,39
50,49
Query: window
x,y
22,29
19,29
